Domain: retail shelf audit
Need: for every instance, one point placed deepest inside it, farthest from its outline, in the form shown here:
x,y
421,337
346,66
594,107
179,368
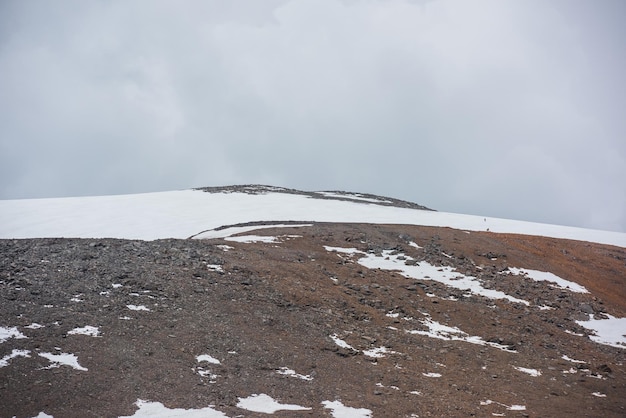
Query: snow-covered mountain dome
x,y
205,212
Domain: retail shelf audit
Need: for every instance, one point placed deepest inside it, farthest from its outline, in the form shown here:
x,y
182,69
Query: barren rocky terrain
x,y
302,319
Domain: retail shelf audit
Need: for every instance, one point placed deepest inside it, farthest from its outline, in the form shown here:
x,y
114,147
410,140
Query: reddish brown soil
x,y
276,305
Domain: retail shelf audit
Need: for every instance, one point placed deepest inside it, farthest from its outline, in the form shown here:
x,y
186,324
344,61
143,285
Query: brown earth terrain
x,y
259,307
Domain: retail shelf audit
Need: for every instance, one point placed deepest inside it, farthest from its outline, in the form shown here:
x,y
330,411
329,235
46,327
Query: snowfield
x,y
182,214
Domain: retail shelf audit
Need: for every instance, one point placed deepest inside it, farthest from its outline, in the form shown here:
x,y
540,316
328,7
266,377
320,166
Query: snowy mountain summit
x,y
187,213
259,300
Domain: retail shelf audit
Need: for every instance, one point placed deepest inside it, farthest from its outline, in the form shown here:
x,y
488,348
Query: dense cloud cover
x,y
499,108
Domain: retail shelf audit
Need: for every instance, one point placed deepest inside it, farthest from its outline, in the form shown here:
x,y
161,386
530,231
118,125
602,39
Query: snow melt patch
x,y
137,308
13,332
158,410
510,408
34,325
516,408
266,404
215,267
532,372
234,230
207,358
342,250
564,357
341,343
207,373
292,373
4,361
432,374
444,332
63,359
544,276
426,271
253,238
86,330
610,331
378,352
353,196
339,410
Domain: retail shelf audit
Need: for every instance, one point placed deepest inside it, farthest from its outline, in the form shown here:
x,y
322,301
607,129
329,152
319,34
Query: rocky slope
x,y
317,320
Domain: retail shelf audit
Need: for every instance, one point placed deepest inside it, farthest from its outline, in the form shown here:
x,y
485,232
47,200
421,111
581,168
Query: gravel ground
x,y
261,309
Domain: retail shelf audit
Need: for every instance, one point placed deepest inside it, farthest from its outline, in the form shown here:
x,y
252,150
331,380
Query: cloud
x,y
503,109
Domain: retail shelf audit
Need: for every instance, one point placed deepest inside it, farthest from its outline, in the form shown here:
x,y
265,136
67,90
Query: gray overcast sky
x,y
514,109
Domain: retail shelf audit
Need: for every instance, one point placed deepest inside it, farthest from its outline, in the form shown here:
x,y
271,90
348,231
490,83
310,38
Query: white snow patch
x,y
116,285
544,276
532,372
564,357
610,331
206,373
414,245
225,247
516,408
34,325
292,373
158,410
343,250
4,361
266,404
253,238
63,359
444,332
352,196
432,374
137,308
86,330
215,267
510,408
426,271
339,410
43,415
12,332
599,394
207,358
341,343
228,232
378,352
